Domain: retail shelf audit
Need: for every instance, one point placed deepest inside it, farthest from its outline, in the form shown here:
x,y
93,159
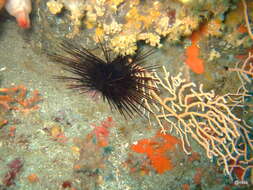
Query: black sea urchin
x,y
122,81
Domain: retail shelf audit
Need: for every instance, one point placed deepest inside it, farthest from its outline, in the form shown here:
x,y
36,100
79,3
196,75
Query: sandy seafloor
x,y
114,167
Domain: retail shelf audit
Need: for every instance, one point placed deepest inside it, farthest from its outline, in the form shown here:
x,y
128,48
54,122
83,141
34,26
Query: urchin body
x,y
121,81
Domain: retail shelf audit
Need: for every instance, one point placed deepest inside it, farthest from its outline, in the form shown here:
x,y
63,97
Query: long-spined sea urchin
x,y
122,81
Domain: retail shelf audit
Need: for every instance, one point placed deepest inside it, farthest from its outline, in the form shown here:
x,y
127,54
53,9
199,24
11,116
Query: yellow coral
x,y
115,4
185,1
100,8
99,34
76,8
112,28
132,14
139,20
133,3
136,20
150,38
162,27
124,44
93,12
54,7
189,24
150,15
91,17
147,20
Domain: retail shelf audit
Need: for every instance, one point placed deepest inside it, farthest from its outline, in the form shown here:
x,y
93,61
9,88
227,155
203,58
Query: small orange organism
x,y
156,150
33,178
192,54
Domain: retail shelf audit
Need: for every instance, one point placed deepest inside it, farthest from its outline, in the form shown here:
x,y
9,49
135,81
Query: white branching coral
x,y
204,116
245,69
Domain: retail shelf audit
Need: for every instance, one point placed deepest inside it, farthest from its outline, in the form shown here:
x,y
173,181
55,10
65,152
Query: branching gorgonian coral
x,y
204,116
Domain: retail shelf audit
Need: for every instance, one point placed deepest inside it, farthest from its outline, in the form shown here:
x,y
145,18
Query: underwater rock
x,y
122,24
